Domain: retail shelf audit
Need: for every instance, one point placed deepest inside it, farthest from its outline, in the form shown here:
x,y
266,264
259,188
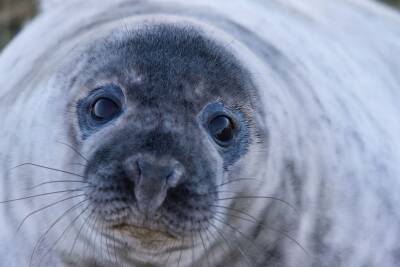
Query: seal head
x,y
161,131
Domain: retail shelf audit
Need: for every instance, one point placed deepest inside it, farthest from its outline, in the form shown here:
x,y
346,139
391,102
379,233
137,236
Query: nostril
x,y
171,173
170,179
175,175
139,166
152,178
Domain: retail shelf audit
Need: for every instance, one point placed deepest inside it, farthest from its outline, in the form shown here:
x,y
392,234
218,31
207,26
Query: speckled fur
x,y
317,82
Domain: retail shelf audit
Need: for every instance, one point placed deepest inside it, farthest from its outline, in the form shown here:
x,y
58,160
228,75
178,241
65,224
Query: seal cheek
x,y
152,177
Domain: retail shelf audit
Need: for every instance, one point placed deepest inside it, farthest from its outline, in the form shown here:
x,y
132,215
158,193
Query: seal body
x,y
202,133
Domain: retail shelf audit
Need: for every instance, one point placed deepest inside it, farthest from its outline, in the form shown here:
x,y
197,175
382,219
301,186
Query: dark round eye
x,y
105,109
222,129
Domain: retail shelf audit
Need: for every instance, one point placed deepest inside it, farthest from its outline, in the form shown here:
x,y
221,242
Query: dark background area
x,y
14,13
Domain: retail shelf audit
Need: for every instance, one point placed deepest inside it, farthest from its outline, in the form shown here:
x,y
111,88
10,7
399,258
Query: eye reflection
x,y
104,109
222,129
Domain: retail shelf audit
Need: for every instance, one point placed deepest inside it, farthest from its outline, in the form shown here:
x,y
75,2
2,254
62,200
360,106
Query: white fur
x,y
345,147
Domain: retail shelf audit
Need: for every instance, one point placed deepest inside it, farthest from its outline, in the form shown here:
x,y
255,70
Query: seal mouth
x,y
144,233
152,241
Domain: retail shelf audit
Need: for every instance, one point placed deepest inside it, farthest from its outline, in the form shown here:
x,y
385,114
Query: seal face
x,y
160,137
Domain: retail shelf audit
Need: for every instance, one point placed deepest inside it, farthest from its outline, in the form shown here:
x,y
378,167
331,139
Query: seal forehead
x,y
170,76
167,64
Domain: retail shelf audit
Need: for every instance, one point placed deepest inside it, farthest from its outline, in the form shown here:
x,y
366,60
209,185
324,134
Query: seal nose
x,y
152,178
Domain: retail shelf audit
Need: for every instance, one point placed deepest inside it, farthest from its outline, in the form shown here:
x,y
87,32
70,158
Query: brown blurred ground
x,y
393,2
14,13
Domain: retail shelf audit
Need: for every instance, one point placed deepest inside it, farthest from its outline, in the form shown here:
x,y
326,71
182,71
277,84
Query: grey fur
x,y
312,84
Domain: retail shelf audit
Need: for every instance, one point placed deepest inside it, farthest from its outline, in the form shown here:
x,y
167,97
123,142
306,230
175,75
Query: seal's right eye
x,y
104,109
101,106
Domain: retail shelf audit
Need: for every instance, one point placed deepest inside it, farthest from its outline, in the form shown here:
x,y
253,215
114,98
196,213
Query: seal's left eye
x,y
105,109
222,129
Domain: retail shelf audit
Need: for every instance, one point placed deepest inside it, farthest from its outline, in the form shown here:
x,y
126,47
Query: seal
x,y
201,133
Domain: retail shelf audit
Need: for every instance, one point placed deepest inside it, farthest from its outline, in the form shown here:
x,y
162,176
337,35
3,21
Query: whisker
x,y
58,181
80,230
87,236
115,249
236,210
73,149
101,240
45,207
180,254
238,247
64,232
96,235
125,242
234,216
218,191
205,249
235,180
39,195
93,235
47,168
78,164
254,220
159,250
288,237
51,226
258,197
193,244
107,246
235,229
169,254
208,233
112,235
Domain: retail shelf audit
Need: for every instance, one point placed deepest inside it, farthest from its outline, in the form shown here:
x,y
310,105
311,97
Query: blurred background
x,y
14,13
